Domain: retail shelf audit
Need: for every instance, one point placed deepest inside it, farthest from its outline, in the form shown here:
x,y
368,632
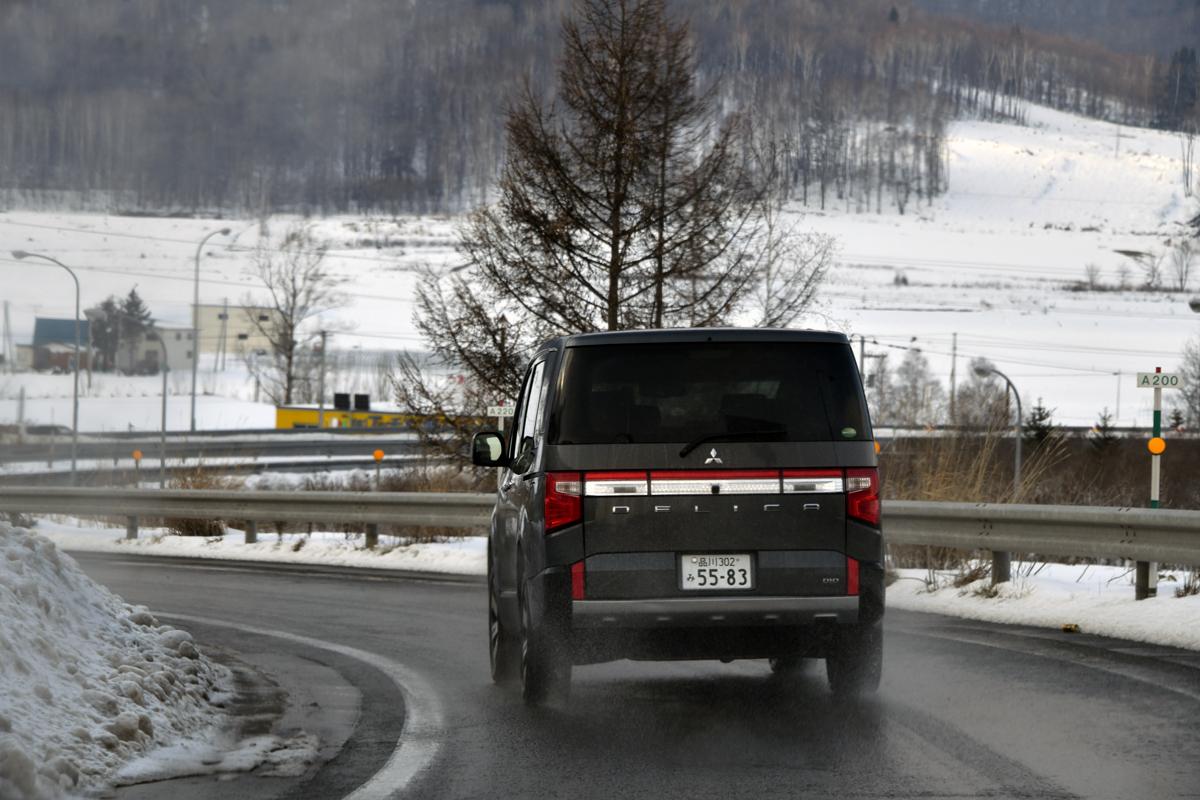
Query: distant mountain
x,y
1147,27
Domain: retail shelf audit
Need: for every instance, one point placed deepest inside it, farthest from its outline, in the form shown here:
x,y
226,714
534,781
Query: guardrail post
x,y
251,532
131,527
1145,580
1001,567
372,535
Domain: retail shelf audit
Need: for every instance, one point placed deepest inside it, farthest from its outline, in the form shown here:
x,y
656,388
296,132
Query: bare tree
x,y
982,401
1187,148
1091,274
791,262
299,288
1151,264
917,398
1183,256
623,205
1187,399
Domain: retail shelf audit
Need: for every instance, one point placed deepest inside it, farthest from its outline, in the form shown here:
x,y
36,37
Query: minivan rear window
x,y
681,392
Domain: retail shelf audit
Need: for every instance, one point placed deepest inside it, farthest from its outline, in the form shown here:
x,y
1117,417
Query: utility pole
x,y
219,358
862,351
7,352
321,384
1118,415
953,378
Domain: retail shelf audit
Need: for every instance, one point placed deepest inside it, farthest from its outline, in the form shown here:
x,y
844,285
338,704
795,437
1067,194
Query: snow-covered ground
x,y
1098,599
1028,207
87,683
459,555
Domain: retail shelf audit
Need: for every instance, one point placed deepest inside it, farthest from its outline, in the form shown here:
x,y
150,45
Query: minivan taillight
x,y
862,495
564,506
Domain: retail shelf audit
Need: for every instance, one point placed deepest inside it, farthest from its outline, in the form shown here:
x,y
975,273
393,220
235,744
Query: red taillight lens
x,y
577,581
862,495
851,576
564,505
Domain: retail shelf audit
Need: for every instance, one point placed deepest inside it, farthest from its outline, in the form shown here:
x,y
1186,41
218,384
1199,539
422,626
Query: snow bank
x,y
459,555
1098,599
87,682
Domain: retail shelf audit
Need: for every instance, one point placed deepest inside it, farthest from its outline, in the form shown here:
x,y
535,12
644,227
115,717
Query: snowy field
x,y
88,684
1099,599
1028,207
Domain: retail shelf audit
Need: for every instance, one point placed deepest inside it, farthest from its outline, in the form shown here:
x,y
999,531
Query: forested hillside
x,y
1153,27
191,105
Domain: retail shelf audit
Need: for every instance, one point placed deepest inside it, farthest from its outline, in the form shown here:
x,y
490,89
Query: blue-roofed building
x,y
61,331
54,343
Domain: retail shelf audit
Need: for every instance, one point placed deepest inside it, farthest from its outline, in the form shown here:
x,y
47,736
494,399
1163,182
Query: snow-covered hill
x,y
1028,208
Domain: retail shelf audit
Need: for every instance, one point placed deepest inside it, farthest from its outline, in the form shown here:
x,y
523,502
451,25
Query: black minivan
x,y
686,494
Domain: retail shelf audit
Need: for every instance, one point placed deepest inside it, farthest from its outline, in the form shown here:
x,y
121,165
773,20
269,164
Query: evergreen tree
x,y
135,321
1102,437
104,322
1176,422
1039,423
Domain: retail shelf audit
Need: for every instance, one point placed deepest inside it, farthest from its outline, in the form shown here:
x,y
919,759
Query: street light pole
x,y
1002,561
196,317
162,434
20,255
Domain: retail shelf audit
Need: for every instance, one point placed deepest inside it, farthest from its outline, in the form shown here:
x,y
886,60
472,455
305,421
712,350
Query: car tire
x,y
855,666
544,666
503,648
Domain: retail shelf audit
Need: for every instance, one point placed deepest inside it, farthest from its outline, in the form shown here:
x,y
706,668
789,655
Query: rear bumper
x,y
706,612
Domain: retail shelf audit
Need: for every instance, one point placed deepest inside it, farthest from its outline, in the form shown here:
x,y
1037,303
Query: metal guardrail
x,y
1084,531
1139,534
245,447
443,510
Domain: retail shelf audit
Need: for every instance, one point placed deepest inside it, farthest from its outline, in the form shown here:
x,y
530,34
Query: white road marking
x,y
420,738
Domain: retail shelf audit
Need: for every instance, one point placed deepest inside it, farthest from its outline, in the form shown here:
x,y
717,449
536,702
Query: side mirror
x,y
487,450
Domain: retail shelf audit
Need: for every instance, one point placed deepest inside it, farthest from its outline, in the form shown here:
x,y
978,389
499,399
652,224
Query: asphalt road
x,y
966,709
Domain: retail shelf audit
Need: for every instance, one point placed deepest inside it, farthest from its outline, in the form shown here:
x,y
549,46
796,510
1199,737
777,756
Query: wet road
x,y
966,709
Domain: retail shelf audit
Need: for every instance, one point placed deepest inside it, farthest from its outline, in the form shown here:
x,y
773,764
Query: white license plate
x,y
710,571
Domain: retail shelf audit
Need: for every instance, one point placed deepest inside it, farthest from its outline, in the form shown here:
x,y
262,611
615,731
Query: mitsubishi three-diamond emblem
x,y
713,458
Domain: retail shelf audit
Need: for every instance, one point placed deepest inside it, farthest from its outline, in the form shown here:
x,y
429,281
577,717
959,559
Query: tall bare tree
x,y
623,204
790,262
1183,258
299,288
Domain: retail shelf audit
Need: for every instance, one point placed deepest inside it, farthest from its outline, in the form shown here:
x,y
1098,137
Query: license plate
x,y
710,571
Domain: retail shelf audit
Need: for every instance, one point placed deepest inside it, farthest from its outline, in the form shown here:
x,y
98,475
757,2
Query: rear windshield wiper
x,y
747,436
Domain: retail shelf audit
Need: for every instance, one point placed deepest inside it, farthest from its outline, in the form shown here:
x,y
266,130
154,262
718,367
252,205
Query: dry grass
x,y
973,469
199,478
1191,585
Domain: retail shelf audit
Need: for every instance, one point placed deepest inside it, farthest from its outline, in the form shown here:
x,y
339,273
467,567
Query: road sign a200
x,y
1157,380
